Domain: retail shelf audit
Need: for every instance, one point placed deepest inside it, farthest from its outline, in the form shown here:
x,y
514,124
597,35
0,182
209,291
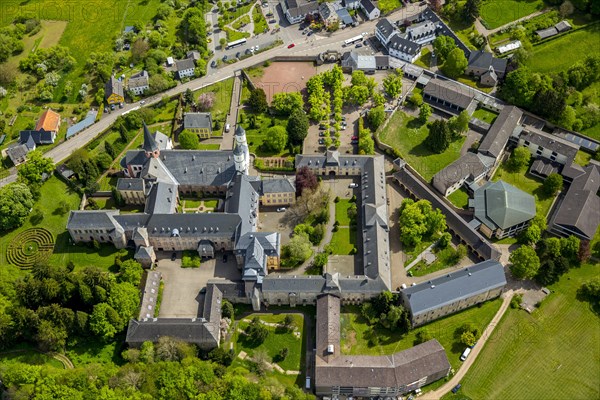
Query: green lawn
x,y
459,198
260,23
343,241
527,184
550,56
485,115
408,136
222,92
387,6
277,340
550,354
341,212
356,332
445,259
496,13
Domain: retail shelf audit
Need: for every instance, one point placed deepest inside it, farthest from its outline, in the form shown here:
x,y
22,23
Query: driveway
x,y
181,294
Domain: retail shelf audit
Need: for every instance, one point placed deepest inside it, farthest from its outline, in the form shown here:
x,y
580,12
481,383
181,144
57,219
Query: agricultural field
x,y
356,332
408,136
550,354
496,13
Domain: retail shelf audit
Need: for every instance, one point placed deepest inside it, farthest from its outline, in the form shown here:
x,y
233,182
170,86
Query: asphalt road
x,y
310,46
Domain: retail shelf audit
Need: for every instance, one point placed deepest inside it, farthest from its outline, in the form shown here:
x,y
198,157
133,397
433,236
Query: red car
x,y
354,138
291,45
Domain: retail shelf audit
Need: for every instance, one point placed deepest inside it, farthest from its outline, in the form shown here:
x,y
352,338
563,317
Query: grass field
x,y
560,53
356,332
485,115
527,184
260,23
387,6
277,340
343,241
496,13
408,136
550,354
341,212
459,198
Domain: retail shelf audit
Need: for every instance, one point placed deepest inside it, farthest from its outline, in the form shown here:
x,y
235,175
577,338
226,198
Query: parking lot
x,y
181,294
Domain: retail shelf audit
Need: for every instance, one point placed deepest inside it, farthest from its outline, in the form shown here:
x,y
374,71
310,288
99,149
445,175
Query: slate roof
x,y
186,64
450,92
455,286
49,121
496,138
469,166
197,120
113,86
500,205
136,184
406,46
139,80
580,209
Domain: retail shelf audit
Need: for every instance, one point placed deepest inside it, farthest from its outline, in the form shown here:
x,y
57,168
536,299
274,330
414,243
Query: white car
x,y
353,185
282,209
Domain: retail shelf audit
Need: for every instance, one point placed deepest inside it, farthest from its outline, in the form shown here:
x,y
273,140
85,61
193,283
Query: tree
x,y
456,63
525,263
297,127
392,84
285,103
37,165
519,159
305,179
443,45
258,100
298,249
188,140
424,112
376,117
552,184
459,124
471,10
439,136
276,139
16,202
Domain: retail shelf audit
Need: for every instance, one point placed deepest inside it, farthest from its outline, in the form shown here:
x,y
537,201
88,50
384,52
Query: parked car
x,y
282,209
291,45
456,388
173,256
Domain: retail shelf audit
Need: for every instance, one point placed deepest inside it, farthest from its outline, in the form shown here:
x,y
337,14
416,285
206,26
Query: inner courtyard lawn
x,y
496,13
552,353
356,333
407,135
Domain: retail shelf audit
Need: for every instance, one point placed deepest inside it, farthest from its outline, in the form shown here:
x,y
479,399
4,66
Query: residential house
x,y
199,123
139,83
185,68
578,212
468,169
502,209
447,294
362,376
370,10
113,91
296,10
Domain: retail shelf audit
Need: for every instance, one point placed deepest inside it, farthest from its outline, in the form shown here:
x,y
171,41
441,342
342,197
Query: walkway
x,y
487,32
462,371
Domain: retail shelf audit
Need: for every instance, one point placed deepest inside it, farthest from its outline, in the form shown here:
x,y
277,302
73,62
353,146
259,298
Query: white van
x,y
465,354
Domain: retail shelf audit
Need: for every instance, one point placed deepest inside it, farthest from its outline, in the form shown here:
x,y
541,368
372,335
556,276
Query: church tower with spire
x,y
150,147
241,153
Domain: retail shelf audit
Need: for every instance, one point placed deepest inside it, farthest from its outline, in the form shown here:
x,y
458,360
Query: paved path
x,y
487,32
464,368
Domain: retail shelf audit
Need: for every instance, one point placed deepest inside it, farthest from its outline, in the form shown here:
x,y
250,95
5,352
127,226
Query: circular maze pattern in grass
x,y
30,247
